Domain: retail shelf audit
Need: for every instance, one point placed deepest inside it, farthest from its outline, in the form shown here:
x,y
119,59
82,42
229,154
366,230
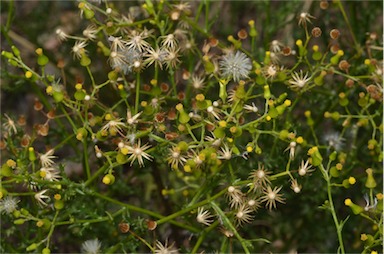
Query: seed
x,y
316,32
242,34
324,4
151,225
124,227
344,65
334,34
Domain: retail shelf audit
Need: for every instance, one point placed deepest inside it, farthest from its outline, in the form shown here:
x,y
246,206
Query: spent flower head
x,y
40,197
10,125
204,216
46,159
243,215
50,174
79,49
137,153
164,249
91,32
236,197
305,168
295,186
260,177
299,80
271,197
235,65
137,41
305,17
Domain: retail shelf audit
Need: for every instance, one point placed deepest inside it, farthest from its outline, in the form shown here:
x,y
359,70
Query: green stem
x,y
203,235
148,212
85,157
95,175
190,208
332,208
52,228
231,227
340,5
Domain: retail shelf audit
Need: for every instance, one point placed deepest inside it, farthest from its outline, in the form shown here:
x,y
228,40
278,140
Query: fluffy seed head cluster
x,y
8,204
91,246
235,65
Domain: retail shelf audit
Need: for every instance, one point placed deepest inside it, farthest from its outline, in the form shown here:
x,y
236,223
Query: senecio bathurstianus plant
x,y
171,139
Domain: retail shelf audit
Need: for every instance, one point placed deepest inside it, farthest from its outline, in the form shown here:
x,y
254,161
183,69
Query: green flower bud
x,y
6,170
283,134
7,54
31,154
18,221
80,95
272,112
46,251
106,51
24,211
59,204
371,182
183,116
85,60
332,156
108,179
267,92
252,29
58,96
16,213
346,184
315,156
208,65
42,60
219,132
113,75
15,50
183,146
317,55
120,158
355,208
81,133
32,247
88,14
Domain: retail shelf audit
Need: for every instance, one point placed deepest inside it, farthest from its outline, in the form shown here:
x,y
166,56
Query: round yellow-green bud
x,y
28,74
81,133
183,146
46,251
6,170
58,204
351,180
108,179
